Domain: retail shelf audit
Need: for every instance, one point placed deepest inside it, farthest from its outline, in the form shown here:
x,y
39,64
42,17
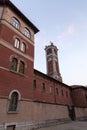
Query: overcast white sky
x,y
64,22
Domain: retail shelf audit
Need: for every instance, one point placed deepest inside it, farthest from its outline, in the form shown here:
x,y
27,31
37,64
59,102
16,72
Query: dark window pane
x,y
14,64
34,84
21,67
13,102
56,91
43,87
12,127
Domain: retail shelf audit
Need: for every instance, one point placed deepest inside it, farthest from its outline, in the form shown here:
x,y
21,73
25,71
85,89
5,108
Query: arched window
x,y
49,51
14,64
17,66
17,43
27,33
21,67
55,51
23,47
15,23
13,102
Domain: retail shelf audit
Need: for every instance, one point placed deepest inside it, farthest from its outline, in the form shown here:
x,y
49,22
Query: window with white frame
x,y
27,32
15,23
17,43
23,47
20,45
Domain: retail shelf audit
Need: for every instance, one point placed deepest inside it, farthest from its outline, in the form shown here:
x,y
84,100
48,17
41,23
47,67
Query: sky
x,y
63,22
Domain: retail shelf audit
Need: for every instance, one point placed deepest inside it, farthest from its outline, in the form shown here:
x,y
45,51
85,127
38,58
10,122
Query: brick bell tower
x,y
52,62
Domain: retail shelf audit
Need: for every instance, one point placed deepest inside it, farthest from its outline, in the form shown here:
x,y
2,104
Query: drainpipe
x,y
54,94
2,11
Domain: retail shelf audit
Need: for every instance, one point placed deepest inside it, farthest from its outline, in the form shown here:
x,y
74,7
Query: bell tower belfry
x,y
52,62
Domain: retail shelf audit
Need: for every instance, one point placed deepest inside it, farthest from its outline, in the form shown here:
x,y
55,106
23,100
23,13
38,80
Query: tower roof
x,y
51,46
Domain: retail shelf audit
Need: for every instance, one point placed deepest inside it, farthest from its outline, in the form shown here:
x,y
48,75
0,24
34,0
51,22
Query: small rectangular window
x,y
34,84
51,89
62,92
12,127
66,94
43,87
86,97
57,91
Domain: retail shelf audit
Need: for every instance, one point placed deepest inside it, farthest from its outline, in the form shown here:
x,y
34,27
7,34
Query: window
x,y
27,32
15,23
43,87
17,43
23,47
51,89
13,102
12,127
21,67
66,94
34,84
14,64
62,92
56,91
86,97
49,51
17,66
55,51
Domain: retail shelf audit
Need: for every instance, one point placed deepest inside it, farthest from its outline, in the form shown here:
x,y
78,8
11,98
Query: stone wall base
x,y
33,124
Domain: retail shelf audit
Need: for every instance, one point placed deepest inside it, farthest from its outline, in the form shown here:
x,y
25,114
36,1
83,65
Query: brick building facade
x,y
27,96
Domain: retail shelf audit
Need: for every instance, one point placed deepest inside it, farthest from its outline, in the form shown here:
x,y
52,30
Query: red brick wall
x,y
9,35
64,95
24,83
50,67
78,97
51,97
10,80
